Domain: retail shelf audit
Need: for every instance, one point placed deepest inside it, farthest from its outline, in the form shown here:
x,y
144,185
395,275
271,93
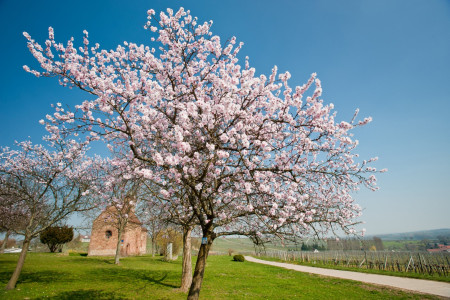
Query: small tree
x,y
11,218
153,221
8,242
160,213
378,243
3,244
55,236
43,187
176,216
119,194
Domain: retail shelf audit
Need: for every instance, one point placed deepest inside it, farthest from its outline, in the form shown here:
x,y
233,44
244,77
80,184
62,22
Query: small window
x,y
108,234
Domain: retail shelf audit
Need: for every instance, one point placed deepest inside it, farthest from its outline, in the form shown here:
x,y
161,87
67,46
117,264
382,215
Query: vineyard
x,y
434,264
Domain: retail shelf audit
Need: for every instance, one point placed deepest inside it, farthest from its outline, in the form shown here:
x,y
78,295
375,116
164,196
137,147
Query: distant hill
x,y
415,235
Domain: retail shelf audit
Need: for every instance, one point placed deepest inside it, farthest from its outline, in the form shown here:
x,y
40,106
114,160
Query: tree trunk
x,y
119,241
153,247
15,276
52,247
199,271
5,241
186,271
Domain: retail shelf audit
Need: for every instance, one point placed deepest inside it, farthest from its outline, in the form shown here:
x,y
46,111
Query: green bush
x,y
56,236
239,258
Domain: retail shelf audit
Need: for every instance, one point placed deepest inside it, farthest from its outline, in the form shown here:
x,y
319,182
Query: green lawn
x,y
403,245
53,276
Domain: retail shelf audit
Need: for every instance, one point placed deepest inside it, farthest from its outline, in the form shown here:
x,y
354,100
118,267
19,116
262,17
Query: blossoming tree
x,y
119,198
175,211
250,154
12,217
44,186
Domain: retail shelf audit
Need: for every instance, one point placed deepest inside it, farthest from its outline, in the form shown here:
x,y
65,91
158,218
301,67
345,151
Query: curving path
x,y
411,284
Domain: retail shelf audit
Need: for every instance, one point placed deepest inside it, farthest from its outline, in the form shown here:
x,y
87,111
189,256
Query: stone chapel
x,y
104,235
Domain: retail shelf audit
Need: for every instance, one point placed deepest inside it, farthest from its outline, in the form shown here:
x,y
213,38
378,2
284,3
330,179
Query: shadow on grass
x,y
130,275
4,264
85,294
89,260
41,277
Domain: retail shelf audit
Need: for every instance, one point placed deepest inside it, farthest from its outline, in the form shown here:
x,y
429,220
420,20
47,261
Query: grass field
x,y
403,245
240,245
53,276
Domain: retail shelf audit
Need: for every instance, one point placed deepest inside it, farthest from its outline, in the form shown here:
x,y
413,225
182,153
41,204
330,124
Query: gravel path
x,y
411,284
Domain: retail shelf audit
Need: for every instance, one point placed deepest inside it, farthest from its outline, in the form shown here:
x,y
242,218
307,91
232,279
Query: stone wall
x,y
104,237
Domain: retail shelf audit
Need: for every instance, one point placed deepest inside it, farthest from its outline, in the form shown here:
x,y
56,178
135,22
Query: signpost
x,y
204,240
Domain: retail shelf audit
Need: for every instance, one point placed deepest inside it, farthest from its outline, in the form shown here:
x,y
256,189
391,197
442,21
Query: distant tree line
x,y
312,247
444,239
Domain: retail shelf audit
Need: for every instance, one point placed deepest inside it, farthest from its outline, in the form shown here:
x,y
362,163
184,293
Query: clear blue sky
x,y
389,58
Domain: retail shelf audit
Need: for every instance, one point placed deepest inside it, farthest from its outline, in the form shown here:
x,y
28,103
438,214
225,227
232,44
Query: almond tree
x,y
251,153
152,220
5,241
12,218
119,193
43,185
172,212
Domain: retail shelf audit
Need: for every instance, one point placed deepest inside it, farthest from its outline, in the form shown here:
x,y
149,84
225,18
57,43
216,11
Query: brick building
x,y
104,235
440,248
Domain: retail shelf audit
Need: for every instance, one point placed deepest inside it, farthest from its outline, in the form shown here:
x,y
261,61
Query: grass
x,y
54,276
434,277
402,245
222,245
240,245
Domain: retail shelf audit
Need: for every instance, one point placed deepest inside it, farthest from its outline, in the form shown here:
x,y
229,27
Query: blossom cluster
x,y
41,185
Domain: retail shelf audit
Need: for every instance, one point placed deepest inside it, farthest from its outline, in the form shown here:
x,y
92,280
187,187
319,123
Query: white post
x,y
169,252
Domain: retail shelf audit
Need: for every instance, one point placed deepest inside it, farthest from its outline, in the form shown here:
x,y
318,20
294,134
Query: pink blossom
x,y
251,153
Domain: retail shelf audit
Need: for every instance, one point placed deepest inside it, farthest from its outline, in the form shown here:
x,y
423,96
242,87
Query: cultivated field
x,y
414,264
426,266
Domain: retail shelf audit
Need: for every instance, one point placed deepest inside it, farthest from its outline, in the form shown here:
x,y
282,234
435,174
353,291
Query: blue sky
x,y
390,59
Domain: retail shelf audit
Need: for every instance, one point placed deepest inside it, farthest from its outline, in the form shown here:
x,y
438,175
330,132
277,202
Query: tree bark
x,y
119,240
5,241
153,247
15,276
52,247
186,271
199,271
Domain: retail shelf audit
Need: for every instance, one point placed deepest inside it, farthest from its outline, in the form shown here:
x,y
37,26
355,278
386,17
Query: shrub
x,y
239,258
54,237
